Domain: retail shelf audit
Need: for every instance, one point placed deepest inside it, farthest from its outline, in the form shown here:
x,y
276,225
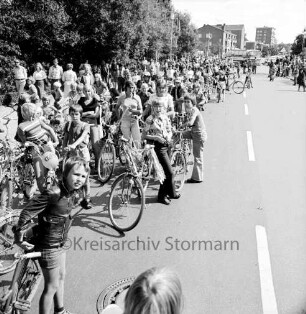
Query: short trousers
x,y
50,258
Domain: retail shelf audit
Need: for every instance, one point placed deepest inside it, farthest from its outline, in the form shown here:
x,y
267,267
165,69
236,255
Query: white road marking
x,y
246,109
250,146
269,305
244,94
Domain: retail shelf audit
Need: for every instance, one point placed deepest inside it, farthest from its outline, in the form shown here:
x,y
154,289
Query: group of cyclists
x,y
72,111
289,68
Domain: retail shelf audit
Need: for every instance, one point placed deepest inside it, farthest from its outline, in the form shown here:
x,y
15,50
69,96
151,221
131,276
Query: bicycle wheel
x,y
106,162
6,194
179,168
7,246
238,87
126,202
28,282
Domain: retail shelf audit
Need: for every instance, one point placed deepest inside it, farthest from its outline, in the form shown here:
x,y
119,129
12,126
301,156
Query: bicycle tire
x,y
7,246
126,202
179,167
238,87
106,162
6,194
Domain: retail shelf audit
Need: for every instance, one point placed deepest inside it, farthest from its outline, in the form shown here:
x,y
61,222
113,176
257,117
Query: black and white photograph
x,y
152,156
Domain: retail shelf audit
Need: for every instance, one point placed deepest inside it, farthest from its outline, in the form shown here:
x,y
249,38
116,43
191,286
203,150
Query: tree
x,y
297,46
188,39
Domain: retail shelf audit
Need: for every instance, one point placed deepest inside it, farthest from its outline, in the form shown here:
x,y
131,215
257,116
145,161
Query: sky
x,y
288,17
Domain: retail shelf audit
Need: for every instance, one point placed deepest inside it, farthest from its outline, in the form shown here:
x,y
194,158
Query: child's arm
x,y
51,132
81,138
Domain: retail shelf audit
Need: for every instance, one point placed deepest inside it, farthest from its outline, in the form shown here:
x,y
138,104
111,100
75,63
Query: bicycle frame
x,y
23,286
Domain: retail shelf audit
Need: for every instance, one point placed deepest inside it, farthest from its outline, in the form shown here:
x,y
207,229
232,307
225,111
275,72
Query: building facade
x,y
265,35
238,30
216,40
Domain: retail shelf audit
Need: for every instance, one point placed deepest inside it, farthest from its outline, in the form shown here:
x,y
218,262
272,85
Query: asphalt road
x,y
250,208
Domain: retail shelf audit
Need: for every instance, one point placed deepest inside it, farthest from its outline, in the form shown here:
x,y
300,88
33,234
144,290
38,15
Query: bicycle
x,y
179,159
111,148
236,85
50,162
23,287
11,154
7,246
127,196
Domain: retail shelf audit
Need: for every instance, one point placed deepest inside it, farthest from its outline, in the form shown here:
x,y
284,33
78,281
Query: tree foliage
x,y
297,46
89,30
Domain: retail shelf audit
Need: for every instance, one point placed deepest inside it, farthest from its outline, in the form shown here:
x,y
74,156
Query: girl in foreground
x,y
53,208
155,291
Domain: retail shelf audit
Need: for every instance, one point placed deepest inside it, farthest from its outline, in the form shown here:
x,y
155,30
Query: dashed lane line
x,y
250,146
246,109
268,298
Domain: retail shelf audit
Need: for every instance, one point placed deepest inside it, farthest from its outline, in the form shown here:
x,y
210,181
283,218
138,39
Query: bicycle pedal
x,y
190,163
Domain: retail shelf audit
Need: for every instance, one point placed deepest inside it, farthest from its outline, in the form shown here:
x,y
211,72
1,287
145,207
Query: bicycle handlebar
x,y
27,255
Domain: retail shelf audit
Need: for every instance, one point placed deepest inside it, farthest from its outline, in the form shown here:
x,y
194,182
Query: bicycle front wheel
x,y
7,247
106,162
126,202
179,167
238,87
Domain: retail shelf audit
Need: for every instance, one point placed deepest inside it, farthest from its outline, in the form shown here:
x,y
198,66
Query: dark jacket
x,y
53,208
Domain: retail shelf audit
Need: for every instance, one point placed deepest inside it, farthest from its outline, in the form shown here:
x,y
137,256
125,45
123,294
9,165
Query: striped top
x,y
33,131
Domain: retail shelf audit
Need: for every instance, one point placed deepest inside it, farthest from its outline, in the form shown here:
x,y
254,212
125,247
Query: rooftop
x,y
234,27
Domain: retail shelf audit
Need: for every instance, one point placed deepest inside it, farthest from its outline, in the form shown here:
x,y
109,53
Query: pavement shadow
x,y
95,222
286,90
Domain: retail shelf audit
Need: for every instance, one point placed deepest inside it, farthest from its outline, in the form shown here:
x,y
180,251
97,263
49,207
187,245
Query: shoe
x,y
176,196
86,203
164,200
193,181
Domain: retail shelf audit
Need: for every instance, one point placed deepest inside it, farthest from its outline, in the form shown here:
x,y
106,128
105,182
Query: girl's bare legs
x,y
54,287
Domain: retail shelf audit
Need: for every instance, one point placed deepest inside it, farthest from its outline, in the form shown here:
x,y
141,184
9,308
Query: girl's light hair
x,y
28,111
31,79
80,87
39,65
88,87
155,291
57,84
98,76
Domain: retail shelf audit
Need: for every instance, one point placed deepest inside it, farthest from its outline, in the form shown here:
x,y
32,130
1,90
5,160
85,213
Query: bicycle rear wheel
x,y
7,246
126,202
106,162
179,167
238,87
